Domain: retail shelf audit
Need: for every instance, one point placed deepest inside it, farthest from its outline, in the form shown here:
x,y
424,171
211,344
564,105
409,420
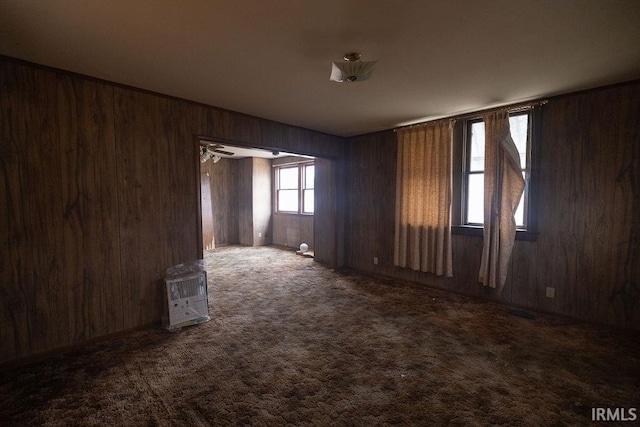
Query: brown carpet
x,y
293,343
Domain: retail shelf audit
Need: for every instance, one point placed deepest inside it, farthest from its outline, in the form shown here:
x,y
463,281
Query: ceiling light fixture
x,y
352,70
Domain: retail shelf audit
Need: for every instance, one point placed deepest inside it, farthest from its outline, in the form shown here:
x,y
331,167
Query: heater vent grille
x,y
187,287
187,301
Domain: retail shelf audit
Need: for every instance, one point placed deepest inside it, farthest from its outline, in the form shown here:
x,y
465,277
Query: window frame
x,y
466,170
461,159
302,187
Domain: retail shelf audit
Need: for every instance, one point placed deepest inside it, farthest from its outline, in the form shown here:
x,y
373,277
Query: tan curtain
x,y
503,187
423,199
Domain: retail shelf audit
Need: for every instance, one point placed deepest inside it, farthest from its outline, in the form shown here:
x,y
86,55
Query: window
x,y
473,182
307,188
294,188
288,189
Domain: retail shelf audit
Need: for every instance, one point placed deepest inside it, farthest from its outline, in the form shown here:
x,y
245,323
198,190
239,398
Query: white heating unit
x,y
186,297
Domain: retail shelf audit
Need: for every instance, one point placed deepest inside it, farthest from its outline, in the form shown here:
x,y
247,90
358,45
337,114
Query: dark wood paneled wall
x,y
254,201
32,232
588,247
371,202
158,199
223,181
89,182
588,219
262,204
100,194
245,201
206,207
292,230
326,206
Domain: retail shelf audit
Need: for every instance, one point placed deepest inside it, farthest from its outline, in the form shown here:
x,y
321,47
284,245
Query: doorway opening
x,y
247,197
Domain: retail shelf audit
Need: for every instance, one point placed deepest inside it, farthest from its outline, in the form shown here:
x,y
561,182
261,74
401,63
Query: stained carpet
x,y
291,342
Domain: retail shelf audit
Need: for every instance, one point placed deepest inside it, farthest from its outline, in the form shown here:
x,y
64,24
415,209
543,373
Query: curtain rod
x,y
512,108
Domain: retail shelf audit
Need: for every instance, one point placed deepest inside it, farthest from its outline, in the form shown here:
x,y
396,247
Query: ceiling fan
x,y
211,151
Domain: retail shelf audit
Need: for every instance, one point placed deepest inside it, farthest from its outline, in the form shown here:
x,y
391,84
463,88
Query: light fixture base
x,y
352,56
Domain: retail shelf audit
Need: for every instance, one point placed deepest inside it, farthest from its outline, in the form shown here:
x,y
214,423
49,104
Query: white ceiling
x,y
272,59
238,152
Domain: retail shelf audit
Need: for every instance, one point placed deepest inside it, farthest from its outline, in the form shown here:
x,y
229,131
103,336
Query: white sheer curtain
x,y
503,187
423,199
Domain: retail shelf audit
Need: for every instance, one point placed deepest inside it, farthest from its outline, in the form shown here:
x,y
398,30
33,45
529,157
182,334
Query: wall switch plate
x,y
551,292
259,234
375,260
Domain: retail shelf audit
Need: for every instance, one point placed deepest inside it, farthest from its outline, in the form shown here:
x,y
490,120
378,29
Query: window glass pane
x,y
519,131
288,200
476,160
308,201
519,215
288,178
309,172
475,199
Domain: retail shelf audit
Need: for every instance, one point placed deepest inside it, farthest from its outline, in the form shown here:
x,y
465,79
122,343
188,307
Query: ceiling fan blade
x,y
227,153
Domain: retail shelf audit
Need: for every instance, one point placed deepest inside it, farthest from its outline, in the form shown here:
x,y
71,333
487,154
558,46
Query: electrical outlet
x,y
375,260
551,292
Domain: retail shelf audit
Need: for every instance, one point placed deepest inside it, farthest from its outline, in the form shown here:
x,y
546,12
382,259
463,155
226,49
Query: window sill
x,y
469,230
283,213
